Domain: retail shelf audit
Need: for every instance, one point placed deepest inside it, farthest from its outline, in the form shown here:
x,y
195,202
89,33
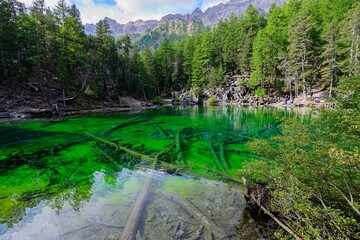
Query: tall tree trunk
x,y
303,71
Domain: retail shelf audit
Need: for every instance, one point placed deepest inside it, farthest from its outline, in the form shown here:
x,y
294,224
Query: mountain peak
x,y
110,20
210,17
197,11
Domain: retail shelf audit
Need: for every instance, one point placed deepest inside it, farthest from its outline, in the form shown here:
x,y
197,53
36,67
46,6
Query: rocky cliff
x,y
208,18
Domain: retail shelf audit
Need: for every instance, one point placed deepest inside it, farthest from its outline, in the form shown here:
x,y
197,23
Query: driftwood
x,y
100,110
193,211
257,200
36,89
64,100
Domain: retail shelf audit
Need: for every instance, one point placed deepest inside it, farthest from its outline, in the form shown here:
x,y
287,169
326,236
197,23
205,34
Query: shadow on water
x,y
63,184
18,135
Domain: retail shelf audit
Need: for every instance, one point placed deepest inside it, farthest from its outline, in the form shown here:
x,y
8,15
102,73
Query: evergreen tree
x,y
301,50
250,23
260,62
102,29
164,58
230,44
188,52
330,68
149,77
348,44
203,60
9,49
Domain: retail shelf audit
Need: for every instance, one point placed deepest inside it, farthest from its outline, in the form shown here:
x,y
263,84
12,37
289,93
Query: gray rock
x,y
4,115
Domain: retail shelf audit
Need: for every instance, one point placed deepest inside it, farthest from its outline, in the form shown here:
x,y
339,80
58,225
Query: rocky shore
x,y
234,92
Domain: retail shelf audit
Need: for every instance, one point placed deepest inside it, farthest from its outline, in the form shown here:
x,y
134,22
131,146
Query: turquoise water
x,y
59,182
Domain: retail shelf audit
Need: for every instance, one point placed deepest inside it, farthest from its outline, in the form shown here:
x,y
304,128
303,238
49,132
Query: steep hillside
x,y
173,30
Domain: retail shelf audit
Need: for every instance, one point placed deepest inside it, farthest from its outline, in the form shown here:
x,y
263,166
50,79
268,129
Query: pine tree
x,y
164,58
203,60
150,72
330,68
102,29
69,38
230,44
250,23
349,43
260,60
9,42
301,50
189,49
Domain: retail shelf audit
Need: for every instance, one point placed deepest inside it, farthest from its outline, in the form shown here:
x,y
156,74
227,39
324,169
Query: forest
x,y
305,178
288,50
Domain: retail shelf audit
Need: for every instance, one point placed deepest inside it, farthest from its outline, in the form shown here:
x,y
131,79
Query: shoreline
x,y
33,113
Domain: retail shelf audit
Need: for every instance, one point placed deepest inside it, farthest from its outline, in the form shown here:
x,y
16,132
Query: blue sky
x,y
124,11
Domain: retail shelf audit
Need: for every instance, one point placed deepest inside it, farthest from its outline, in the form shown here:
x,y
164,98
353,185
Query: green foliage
x,y
215,77
294,47
174,31
260,92
211,100
348,44
158,100
312,170
302,50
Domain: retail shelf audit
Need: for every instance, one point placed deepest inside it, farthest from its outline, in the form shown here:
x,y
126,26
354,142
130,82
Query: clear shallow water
x,y
56,182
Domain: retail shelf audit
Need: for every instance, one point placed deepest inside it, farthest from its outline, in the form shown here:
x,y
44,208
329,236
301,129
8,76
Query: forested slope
x,y
288,51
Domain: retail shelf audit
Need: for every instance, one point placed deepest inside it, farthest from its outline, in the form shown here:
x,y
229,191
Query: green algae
x,y
55,162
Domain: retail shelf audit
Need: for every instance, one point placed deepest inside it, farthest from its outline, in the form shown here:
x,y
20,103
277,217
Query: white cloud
x,y
131,10
210,3
48,3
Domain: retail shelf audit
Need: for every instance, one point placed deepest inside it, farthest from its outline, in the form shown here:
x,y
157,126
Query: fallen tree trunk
x,y
216,158
132,225
122,124
64,100
222,155
193,211
216,172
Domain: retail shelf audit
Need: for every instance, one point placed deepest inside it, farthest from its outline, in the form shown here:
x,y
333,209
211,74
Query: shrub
x,y
158,101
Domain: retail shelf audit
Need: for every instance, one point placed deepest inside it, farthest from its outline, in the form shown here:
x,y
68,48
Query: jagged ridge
x,y
208,18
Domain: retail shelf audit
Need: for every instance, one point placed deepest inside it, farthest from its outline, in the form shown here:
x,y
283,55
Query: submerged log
x,y
216,158
216,172
178,147
122,124
222,155
193,211
162,132
132,225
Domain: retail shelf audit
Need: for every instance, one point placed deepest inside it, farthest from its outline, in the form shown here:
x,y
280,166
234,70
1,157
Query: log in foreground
x,y
193,211
132,225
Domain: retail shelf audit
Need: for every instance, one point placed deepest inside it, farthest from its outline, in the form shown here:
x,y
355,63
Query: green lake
x,y
64,178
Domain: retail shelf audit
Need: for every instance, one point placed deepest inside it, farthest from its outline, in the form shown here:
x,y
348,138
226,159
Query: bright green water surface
x,y
57,182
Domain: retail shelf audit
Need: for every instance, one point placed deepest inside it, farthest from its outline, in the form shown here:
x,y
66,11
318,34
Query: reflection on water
x,y
104,214
56,182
